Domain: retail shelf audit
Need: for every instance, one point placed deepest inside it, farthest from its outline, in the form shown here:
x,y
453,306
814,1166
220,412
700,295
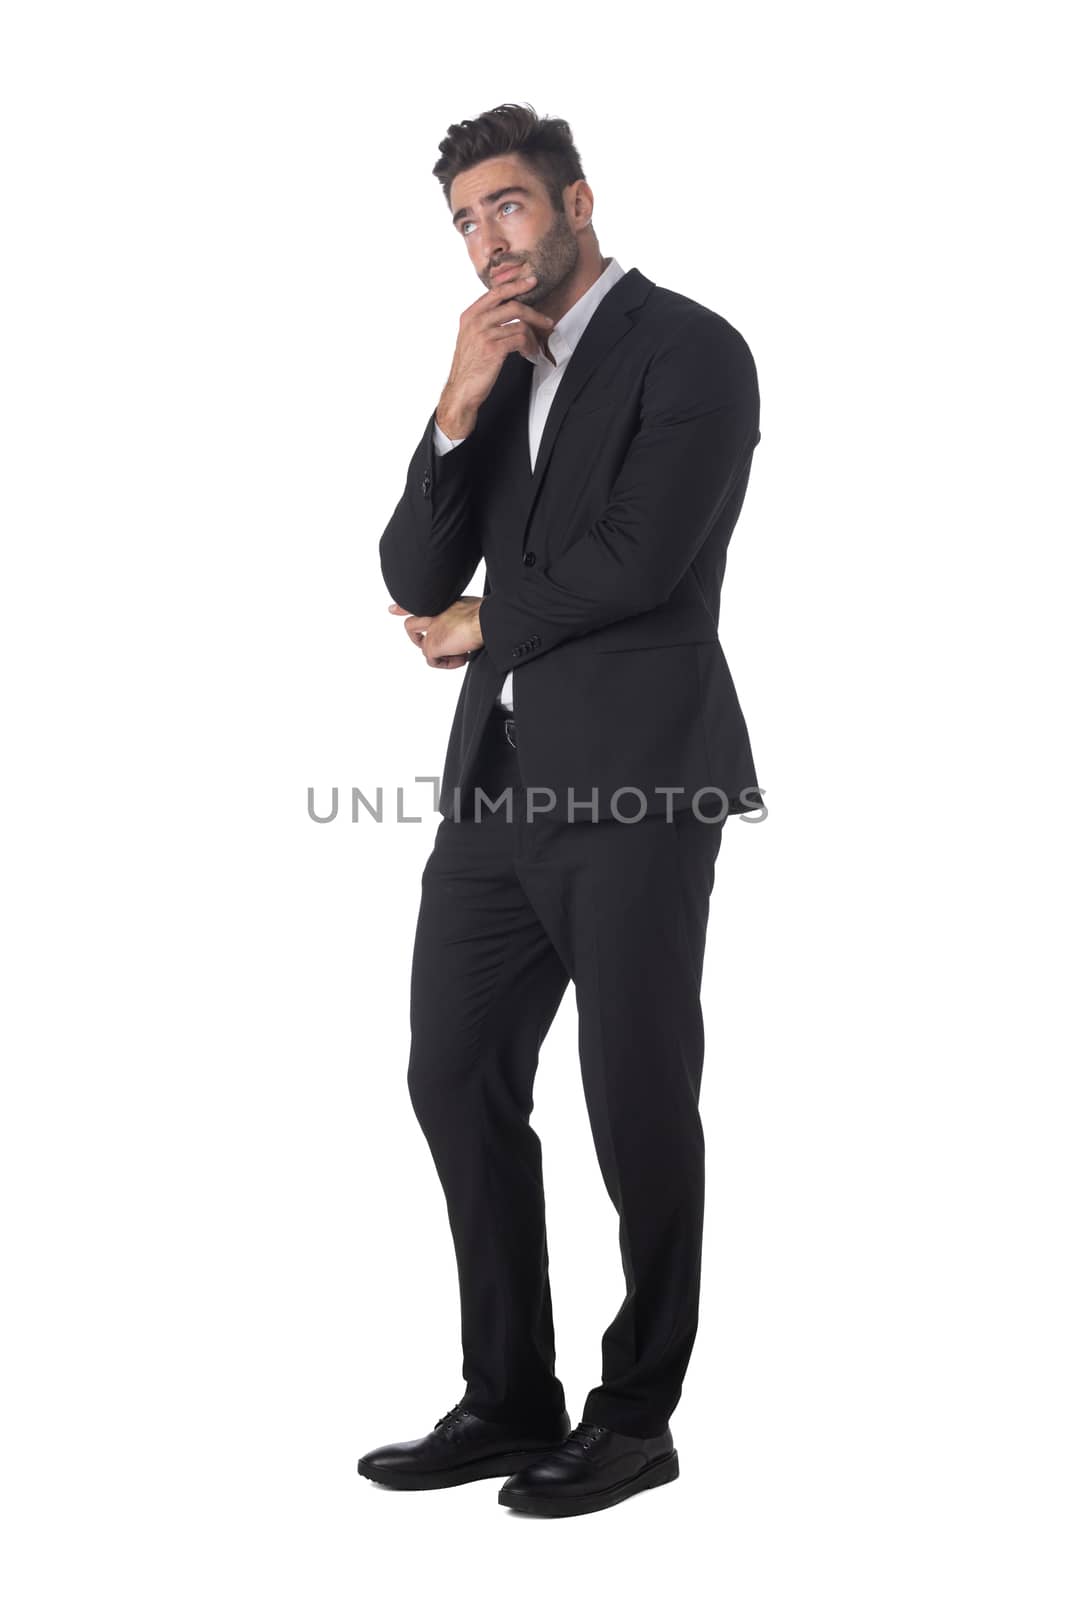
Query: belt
x,y
504,719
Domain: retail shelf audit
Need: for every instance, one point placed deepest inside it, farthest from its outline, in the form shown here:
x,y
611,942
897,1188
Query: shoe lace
x,y
452,1415
586,1434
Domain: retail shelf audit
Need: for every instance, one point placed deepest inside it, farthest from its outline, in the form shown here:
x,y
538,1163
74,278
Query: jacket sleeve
x,y
698,427
430,547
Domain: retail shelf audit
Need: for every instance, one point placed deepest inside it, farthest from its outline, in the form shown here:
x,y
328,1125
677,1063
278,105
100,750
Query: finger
x,y
399,611
520,335
508,310
434,654
515,277
503,296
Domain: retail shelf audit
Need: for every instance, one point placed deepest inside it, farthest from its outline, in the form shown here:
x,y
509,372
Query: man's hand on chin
x,y
446,640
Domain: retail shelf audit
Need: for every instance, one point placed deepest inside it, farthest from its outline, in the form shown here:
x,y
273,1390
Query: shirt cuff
x,y
442,443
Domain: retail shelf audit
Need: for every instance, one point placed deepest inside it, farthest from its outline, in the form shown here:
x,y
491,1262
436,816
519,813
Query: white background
x,y
230,298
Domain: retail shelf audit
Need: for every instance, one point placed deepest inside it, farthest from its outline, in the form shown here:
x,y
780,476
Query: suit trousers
x,y
512,909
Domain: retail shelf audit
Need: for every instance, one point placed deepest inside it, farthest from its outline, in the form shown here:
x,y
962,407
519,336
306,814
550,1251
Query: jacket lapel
x,y
610,322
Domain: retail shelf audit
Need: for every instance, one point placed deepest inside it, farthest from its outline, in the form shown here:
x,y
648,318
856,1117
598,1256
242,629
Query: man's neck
x,y
569,295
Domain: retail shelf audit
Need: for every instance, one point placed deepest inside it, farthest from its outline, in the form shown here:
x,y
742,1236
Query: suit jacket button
x,y
528,559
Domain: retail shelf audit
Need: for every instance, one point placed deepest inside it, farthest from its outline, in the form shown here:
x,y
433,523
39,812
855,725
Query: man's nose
x,y
498,254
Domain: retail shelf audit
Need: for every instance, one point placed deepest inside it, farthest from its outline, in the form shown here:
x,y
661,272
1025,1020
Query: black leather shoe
x,y
594,1468
461,1447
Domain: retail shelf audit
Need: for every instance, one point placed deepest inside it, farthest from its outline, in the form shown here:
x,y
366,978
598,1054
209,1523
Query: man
x,y
593,443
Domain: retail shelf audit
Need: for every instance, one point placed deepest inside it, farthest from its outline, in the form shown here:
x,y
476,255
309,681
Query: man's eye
x,y
503,203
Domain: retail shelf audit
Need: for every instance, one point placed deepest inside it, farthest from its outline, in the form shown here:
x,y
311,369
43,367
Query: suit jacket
x,y
604,565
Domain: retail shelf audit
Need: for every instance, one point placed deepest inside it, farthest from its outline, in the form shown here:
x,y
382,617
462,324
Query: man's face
x,y
507,219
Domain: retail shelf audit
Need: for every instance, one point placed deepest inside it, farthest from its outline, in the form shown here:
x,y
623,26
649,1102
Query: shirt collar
x,y
573,323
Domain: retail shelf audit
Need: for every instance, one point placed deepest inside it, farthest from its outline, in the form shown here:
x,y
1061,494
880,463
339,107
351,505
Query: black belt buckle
x,y
509,729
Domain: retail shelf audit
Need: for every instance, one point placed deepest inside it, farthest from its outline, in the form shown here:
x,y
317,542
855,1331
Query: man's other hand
x,y
447,639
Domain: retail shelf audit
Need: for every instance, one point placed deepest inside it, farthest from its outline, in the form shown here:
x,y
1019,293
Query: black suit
x,y
604,565
604,571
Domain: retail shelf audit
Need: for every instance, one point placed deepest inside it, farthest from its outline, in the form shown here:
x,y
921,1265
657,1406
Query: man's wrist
x,y
455,424
476,623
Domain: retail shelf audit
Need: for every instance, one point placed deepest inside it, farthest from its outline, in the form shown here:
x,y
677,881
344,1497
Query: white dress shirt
x,y
546,380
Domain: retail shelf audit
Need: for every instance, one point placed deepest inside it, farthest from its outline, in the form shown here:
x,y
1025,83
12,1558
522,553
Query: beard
x,y
553,259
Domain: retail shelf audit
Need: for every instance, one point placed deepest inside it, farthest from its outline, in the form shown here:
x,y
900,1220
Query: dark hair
x,y
545,143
